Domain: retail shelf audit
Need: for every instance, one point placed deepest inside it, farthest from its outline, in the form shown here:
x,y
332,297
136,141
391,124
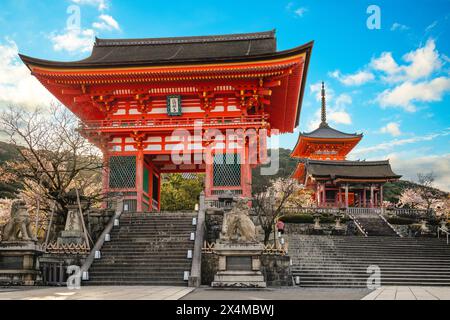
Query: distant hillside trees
x,y
424,196
181,193
50,157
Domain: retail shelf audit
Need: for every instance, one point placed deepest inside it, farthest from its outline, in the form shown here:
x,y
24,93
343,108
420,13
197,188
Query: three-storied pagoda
x,y
336,181
143,100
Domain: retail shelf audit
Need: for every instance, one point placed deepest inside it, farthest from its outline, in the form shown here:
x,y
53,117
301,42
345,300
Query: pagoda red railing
x,y
252,121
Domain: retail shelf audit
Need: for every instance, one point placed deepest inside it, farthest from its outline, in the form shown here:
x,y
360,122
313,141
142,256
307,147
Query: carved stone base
x,y
19,263
239,265
71,237
239,279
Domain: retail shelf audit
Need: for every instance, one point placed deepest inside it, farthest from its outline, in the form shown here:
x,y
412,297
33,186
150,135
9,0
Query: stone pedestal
x,y
19,263
73,231
239,265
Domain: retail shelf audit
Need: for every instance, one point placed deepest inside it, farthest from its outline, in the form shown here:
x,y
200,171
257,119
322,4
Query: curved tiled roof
x,y
325,131
351,169
116,52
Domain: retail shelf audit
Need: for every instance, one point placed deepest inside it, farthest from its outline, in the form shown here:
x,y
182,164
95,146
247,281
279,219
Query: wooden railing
x,y
216,204
171,123
312,210
272,249
358,211
410,213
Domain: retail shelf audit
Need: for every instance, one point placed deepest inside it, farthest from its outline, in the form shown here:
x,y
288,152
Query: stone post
x,y
196,272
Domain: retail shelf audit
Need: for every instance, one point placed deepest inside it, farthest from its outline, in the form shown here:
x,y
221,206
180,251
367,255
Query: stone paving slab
x,y
97,293
286,293
409,293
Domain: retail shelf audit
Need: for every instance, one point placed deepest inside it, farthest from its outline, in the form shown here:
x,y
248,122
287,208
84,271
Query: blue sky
x,y
391,83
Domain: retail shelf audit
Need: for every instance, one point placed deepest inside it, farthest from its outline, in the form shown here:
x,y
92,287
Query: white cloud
x,y
355,79
336,107
393,128
342,117
17,86
73,40
409,168
445,58
406,94
299,12
431,26
420,63
101,5
398,26
423,61
389,145
385,63
107,22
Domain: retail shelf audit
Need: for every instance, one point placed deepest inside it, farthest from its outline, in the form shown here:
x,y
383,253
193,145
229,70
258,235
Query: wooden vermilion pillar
x,y
371,196
346,195
381,196
364,197
159,191
139,179
324,195
318,194
105,178
247,182
208,173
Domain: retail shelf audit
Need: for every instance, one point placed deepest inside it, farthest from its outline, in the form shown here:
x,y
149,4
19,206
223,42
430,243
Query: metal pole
x,y
82,221
38,208
36,223
50,223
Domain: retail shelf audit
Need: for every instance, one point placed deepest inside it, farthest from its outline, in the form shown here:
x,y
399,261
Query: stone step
x,y
353,274
136,283
146,249
363,268
368,259
349,284
340,261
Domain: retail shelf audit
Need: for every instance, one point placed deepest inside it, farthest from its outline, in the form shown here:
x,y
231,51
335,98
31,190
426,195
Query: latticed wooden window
x,y
122,173
227,170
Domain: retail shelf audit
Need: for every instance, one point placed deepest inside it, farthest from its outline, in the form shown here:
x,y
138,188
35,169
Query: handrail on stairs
x,y
440,229
389,224
101,240
194,279
360,228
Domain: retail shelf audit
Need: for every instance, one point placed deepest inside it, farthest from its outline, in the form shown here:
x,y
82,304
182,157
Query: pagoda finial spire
x,y
324,108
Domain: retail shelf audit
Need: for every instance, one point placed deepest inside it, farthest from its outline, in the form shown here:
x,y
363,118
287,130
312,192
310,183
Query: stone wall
x,y
327,228
276,270
98,220
210,264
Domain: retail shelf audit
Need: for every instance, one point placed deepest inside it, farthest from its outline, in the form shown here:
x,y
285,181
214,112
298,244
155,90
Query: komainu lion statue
x,y
19,225
237,225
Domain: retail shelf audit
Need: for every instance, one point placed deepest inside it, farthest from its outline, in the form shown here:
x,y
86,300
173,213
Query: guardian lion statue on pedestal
x,y
19,226
237,225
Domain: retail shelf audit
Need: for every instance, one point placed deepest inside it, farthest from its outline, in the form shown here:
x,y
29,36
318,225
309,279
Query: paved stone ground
x,y
183,293
409,293
96,293
278,294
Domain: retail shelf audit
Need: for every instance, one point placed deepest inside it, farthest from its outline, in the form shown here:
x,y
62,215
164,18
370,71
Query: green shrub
x,y
309,218
400,220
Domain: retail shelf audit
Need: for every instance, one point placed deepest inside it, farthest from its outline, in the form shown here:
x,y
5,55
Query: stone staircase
x,y
371,222
342,261
146,249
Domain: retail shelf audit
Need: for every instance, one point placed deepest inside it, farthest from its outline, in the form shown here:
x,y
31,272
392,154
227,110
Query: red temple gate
x,y
189,104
